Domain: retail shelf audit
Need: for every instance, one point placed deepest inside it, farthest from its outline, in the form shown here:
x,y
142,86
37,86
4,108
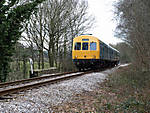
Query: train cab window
x,y
85,46
77,46
93,46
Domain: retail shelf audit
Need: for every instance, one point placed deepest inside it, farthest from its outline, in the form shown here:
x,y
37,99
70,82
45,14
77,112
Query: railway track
x,y
22,85
8,84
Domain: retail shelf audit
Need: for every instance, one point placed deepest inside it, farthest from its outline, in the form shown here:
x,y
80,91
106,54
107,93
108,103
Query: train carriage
x,y
90,52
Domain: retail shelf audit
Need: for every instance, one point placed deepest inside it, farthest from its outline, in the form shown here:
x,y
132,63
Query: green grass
x,y
17,71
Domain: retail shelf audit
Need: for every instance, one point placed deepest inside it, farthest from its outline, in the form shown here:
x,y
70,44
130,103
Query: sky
x,y
105,24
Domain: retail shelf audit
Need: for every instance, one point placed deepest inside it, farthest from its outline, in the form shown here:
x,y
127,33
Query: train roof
x,y
113,49
84,36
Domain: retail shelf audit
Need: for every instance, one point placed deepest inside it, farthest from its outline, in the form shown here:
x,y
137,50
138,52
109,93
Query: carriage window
x,y
93,46
85,46
77,46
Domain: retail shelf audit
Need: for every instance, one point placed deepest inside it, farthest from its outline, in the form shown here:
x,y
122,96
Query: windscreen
x,y
85,46
93,46
77,46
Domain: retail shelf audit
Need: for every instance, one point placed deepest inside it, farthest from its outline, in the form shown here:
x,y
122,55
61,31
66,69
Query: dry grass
x,y
128,91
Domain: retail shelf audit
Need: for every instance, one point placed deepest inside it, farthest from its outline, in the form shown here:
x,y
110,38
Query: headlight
x,y
76,57
94,57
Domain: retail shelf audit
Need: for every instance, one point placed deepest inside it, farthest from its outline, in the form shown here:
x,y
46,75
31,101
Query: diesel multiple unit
x,y
90,52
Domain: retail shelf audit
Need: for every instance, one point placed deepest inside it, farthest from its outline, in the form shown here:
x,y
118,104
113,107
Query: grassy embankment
x,y
127,91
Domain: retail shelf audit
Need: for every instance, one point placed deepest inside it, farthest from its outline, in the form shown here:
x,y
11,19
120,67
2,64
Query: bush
x,y
130,89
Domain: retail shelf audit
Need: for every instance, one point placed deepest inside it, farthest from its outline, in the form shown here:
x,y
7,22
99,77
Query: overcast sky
x,y
105,25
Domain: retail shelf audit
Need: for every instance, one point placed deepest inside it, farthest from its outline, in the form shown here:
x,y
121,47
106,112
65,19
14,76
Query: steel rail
x,y
34,79
25,87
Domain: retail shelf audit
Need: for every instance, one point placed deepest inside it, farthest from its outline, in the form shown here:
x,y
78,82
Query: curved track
x,y
7,84
22,85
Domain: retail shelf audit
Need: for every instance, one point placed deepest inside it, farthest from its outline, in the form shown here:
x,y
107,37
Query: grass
x,y
17,70
127,91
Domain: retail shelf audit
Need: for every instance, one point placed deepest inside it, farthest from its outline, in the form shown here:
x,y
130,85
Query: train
x,y
88,52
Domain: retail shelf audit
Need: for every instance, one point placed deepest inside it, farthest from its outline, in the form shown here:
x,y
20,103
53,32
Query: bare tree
x,y
55,25
36,34
133,28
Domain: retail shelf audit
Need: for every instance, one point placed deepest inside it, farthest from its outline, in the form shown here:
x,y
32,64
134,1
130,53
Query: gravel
x,y
41,100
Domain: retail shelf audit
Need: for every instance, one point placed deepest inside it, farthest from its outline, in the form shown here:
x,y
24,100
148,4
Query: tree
x,y
12,14
133,28
62,20
125,52
36,34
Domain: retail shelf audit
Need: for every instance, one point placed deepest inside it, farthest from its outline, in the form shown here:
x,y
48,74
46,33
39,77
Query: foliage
x,y
20,66
18,72
133,28
127,90
53,27
125,52
132,85
12,14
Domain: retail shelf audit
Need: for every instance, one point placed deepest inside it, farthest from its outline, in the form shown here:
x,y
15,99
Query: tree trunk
x,y
39,61
50,58
42,58
65,48
24,67
3,72
32,52
53,55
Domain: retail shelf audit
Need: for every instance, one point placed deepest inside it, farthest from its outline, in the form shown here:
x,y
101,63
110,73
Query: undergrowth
x,y
127,91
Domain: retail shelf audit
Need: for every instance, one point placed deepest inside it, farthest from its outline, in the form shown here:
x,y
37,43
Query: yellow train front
x,y
89,52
